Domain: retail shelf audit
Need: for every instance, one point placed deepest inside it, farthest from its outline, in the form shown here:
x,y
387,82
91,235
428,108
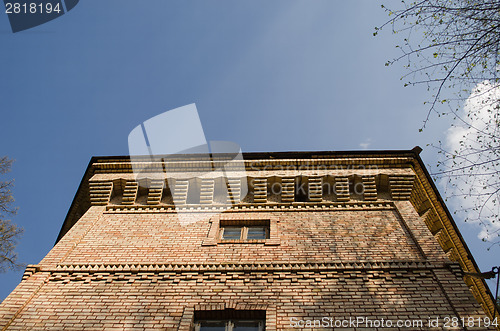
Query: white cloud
x,y
474,145
366,143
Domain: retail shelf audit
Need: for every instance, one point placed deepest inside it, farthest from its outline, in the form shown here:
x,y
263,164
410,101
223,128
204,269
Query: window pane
x,y
231,233
213,326
256,232
246,326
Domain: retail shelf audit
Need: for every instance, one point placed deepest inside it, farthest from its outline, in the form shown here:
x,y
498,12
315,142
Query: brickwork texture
x,y
124,264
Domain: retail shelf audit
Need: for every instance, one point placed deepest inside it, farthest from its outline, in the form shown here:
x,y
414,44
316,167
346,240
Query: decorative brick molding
x,y
155,192
100,193
260,190
315,189
181,192
187,272
401,187
30,270
287,189
237,267
296,206
347,161
370,188
207,191
234,190
130,192
342,189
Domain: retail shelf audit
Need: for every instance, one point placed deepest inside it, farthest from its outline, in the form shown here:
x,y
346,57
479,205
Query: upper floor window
x,y
233,229
230,320
244,232
229,325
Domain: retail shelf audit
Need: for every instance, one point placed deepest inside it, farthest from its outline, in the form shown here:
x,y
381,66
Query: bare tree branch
x,y
453,47
9,232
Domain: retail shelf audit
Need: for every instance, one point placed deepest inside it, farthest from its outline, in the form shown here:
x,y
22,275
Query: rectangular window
x,y
244,232
229,325
231,233
210,326
230,229
230,320
248,325
257,232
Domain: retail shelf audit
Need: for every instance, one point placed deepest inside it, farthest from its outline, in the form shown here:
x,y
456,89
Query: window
x,y
231,233
229,320
257,232
234,229
230,325
244,232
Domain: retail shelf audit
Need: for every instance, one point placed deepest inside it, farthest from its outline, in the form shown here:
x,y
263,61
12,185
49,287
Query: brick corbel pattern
x,y
181,192
260,190
100,193
234,190
315,189
342,189
207,191
370,188
287,189
95,269
401,187
155,192
130,192
353,205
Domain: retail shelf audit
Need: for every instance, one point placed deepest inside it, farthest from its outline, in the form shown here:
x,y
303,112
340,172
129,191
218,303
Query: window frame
x,y
215,235
229,323
244,232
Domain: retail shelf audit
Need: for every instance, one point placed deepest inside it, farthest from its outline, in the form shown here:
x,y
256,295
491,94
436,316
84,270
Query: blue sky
x,y
278,75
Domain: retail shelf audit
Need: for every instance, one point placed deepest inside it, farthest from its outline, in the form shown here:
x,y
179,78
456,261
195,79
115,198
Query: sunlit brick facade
x,y
353,235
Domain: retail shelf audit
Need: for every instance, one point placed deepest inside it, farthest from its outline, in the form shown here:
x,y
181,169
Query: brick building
x,y
326,240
